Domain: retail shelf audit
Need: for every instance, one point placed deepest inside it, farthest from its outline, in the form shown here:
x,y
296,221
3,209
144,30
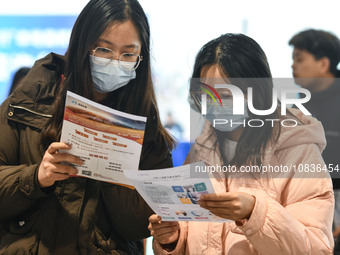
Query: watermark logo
x,y
239,99
204,87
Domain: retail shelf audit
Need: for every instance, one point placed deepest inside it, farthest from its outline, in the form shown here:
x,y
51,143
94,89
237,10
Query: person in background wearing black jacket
x,y
316,55
19,75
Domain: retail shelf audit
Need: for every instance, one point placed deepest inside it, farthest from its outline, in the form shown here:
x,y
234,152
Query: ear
x,y
324,65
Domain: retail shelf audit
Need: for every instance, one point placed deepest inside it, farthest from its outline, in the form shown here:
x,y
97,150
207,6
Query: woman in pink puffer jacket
x,y
286,211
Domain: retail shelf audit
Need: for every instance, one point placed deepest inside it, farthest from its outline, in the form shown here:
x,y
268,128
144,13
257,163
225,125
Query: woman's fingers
x,y
54,147
227,196
164,225
56,166
62,168
154,218
168,237
164,232
159,232
222,204
229,205
156,223
66,158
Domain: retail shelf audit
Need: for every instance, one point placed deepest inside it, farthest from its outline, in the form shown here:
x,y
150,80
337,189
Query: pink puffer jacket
x,y
291,215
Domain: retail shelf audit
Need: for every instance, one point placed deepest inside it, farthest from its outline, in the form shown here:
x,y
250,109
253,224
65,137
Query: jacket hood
x,y
37,88
31,103
309,131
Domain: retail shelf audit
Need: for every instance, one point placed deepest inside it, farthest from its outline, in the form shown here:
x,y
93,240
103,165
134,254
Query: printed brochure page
x,y
173,194
109,141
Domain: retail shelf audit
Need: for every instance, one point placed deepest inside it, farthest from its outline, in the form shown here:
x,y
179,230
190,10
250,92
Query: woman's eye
x,y
129,55
299,60
103,50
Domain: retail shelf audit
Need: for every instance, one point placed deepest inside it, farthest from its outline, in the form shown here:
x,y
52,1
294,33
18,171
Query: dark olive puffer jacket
x,y
76,216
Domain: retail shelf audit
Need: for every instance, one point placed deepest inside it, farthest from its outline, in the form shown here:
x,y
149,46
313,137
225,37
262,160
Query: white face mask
x,y
226,112
107,78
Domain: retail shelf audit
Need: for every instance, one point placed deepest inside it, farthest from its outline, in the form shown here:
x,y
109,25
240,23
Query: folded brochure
x,y
109,141
173,194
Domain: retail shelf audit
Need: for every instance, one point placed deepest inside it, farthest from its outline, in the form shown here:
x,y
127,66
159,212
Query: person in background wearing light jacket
x,y
285,212
42,210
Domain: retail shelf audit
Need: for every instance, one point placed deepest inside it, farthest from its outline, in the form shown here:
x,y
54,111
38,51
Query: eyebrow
x,y
125,46
296,54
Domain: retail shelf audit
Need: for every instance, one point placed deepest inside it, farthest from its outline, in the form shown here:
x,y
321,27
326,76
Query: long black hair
x,y
244,64
138,96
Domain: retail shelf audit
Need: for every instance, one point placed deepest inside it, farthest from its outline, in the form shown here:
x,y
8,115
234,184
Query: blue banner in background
x,y
24,39
180,153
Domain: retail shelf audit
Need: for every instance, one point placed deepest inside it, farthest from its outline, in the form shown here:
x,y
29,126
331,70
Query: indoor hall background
x,y
31,29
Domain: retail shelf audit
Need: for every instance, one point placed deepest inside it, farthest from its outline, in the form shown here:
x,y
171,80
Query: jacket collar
x,y
31,104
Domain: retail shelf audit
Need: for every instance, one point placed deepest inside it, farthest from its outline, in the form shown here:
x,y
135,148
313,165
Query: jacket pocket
x,y
22,234
102,242
19,245
113,245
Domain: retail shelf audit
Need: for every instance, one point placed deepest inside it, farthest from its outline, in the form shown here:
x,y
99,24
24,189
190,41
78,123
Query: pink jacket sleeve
x,y
302,223
181,244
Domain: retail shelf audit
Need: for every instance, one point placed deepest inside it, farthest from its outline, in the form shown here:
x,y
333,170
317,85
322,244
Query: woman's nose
x,y
117,55
293,65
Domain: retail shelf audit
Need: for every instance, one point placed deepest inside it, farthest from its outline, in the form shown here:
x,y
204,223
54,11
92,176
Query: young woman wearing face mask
x,y
270,213
43,210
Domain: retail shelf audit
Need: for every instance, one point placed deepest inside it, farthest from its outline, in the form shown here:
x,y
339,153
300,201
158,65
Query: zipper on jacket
x,y
29,110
